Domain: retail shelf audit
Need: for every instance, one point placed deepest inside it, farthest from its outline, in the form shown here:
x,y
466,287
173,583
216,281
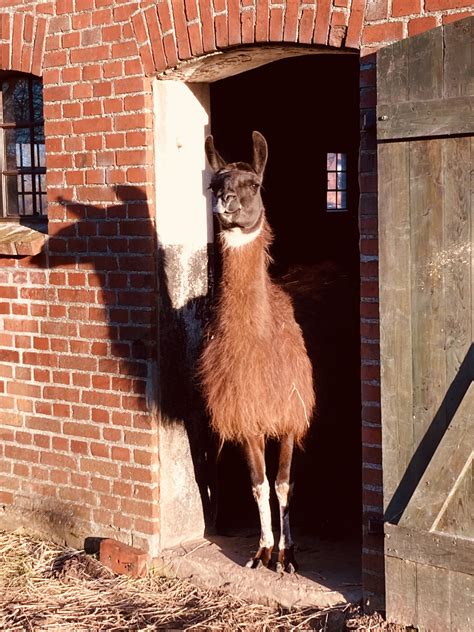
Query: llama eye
x,y
255,187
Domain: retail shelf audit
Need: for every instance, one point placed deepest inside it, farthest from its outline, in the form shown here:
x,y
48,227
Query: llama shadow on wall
x,y
111,283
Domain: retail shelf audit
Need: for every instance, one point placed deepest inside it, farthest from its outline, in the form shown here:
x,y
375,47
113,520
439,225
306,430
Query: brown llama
x,y
255,372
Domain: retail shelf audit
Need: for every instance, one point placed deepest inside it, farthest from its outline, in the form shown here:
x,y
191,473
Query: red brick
x,y
371,414
372,476
120,454
123,559
370,393
6,498
103,468
100,449
21,454
440,5
208,37
406,7
388,32
420,25
321,28
372,436
184,50
370,351
276,24
307,24
233,14
262,26
354,27
376,10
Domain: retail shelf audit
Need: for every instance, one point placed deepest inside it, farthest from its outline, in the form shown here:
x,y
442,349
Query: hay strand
x,y
53,588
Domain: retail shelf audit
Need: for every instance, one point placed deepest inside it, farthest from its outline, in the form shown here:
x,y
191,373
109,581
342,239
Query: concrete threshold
x,y
328,575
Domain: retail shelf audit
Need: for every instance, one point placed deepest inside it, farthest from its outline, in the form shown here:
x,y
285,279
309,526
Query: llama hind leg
x,y
283,487
255,455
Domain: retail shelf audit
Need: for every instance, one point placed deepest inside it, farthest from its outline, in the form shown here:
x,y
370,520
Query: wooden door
x,y
425,133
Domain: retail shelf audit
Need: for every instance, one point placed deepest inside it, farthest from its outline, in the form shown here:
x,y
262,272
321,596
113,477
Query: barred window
x,y
22,148
336,194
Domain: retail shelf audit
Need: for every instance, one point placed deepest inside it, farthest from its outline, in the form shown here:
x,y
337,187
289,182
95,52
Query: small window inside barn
x,y
336,195
22,148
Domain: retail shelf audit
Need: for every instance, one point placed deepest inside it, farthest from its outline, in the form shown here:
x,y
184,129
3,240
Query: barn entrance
x,y
311,195
307,108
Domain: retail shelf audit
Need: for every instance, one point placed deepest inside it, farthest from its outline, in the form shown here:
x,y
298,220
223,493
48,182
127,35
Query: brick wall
x,y
77,323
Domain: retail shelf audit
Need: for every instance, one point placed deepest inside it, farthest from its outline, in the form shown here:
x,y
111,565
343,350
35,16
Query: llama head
x,y
236,192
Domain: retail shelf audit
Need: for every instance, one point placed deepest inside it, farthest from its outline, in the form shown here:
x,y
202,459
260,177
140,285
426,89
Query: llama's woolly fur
x,y
255,372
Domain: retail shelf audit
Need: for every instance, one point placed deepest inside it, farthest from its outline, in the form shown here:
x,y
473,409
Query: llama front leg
x,y
255,455
283,487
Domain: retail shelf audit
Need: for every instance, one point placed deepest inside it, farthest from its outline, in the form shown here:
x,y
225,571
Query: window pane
x,y
341,162
37,99
341,181
331,199
40,160
18,148
40,182
12,196
43,209
25,183
331,162
331,180
341,199
16,101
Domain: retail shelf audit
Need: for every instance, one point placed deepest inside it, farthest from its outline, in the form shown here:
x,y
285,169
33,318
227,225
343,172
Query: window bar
x,y
21,211
32,145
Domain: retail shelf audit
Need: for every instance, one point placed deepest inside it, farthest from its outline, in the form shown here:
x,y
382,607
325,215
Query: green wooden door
x,y
425,127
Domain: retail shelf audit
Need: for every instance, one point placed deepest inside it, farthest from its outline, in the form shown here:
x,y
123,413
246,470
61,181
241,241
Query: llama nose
x,y
229,197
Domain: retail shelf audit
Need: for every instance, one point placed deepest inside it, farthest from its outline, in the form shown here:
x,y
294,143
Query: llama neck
x,y
245,280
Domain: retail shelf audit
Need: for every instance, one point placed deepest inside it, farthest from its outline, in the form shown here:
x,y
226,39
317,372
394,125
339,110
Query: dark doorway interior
x,y
306,107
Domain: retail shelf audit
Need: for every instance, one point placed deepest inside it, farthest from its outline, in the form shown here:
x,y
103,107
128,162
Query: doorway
x,y
308,109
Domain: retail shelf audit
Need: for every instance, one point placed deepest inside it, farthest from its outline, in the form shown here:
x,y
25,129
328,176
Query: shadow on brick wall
x,y
114,301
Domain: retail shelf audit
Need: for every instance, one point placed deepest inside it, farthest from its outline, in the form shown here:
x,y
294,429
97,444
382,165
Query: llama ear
x,y
215,159
260,152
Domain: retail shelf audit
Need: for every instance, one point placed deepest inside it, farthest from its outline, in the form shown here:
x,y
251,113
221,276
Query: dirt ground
x,y
44,586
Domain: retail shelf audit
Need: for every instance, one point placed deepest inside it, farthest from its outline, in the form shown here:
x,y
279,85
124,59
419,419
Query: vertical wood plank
x,y
401,591
425,66
458,58
395,316
426,207
432,591
392,73
461,602
455,259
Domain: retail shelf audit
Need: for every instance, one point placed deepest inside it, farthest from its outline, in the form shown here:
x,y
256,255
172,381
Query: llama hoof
x,y
286,561
279,567
262,558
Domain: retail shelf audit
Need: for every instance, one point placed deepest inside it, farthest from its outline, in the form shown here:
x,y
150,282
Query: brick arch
x,y
22,42
184,29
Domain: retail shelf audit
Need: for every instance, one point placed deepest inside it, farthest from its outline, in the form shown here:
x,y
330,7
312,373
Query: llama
x,y
255,372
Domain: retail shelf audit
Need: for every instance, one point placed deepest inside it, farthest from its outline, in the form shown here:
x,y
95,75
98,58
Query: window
x,y
22,149
336,196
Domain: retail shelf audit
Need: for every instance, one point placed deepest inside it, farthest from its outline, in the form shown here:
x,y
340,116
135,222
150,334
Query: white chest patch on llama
x,y
235,238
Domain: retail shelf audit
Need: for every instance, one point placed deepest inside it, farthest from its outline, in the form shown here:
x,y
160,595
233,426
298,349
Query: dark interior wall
x,y
306,107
